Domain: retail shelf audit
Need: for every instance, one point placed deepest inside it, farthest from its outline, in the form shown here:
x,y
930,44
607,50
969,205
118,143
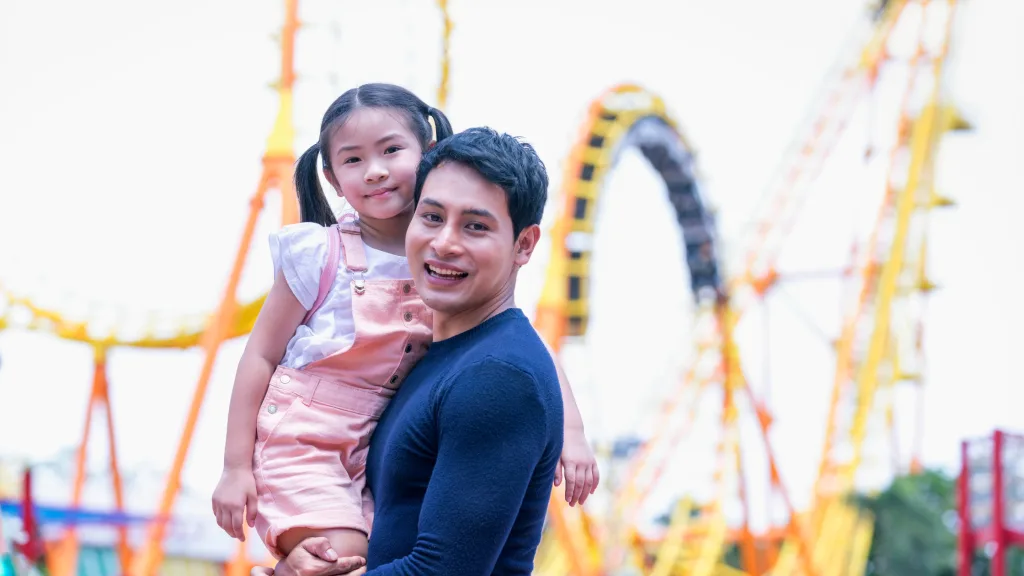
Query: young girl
x,y
341,326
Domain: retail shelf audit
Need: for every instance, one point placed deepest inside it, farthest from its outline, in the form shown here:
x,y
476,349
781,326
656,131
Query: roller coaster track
x,y
866,349
627,115
230,320
564,300
624,116
21,311
782,204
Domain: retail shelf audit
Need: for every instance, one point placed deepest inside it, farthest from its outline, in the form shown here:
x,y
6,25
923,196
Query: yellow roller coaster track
x,y
22,312
563,312
231,319
625,115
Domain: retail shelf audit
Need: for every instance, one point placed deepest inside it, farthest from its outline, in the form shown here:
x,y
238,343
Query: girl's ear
x,y
329,176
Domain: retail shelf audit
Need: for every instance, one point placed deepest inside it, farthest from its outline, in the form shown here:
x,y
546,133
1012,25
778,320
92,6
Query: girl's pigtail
x,y
442,127
313,205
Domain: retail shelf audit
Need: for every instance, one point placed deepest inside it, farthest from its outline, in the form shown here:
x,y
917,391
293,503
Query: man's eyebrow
x,y
389,136
479,212
468,211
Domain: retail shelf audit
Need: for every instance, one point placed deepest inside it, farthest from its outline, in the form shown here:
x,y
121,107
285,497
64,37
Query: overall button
x,y
272,409
408,316
408,348
406,288
394,379
285,379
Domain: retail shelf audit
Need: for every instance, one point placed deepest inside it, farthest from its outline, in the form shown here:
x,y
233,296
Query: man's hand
x,y
314,557
579,467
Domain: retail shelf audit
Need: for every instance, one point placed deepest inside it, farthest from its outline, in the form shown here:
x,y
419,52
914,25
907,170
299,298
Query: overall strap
x,y
352,240
355,255
330,271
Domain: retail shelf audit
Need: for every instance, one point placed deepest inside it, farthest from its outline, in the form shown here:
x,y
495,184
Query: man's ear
x,y
333,182
526,243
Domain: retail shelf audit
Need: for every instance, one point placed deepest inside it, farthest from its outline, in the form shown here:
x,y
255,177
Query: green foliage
x,y
916,530
914,526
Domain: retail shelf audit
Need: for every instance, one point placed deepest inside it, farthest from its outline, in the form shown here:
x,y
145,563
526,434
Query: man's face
x,y
460,247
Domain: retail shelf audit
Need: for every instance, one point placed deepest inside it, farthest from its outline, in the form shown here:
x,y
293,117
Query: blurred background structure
x,y
765,248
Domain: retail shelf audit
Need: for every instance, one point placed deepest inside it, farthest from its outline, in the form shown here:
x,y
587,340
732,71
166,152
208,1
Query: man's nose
x,y
446,242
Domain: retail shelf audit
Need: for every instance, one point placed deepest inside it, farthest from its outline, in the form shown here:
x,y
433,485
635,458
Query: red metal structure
x,y
990,502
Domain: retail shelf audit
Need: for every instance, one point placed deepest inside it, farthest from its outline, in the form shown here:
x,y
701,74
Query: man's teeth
x,y
445,272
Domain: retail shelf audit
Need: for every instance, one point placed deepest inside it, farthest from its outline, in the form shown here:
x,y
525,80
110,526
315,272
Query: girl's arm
x,y
577,465
275,325
234,499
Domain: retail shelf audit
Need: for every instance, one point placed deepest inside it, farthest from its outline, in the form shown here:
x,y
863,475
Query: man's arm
x,y
493,427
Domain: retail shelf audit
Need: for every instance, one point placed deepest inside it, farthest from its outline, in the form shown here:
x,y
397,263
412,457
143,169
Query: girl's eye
x,y
391,149
351,160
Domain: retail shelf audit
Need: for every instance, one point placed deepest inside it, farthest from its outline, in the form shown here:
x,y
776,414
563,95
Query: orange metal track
x,y
64,556
760,262
278,161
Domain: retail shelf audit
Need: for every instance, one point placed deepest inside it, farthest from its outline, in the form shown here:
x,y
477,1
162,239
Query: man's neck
x,y
447,326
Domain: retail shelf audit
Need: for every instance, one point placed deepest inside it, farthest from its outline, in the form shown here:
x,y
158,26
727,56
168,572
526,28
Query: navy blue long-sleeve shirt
x,y
462,462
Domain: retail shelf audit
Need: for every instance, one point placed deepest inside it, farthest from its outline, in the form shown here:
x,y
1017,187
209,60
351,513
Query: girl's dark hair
x,y
313,205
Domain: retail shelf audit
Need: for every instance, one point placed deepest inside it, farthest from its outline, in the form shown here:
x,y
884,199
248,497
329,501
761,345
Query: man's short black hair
x,y
501,159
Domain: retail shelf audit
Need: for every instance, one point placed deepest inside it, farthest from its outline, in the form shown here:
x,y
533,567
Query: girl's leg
x,y
345,541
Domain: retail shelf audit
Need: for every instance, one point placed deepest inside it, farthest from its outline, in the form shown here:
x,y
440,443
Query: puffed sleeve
x,y
300,251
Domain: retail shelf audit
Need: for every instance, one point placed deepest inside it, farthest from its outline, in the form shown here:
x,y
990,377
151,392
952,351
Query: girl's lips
x,y
381,192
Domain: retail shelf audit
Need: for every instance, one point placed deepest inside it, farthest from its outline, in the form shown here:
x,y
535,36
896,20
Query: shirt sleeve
x,y
300,252
492,425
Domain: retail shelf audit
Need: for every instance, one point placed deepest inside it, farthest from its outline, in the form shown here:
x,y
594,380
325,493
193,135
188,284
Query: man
x,y
462,462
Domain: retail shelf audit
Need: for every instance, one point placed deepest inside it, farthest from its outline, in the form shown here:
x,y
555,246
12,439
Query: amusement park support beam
x,y
920,148
794,527
835,478
65,562
442,88
278,161
760,264
868,287
844,347
734,379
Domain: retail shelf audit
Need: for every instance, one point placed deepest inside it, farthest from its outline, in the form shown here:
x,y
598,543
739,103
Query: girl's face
x,y
373,157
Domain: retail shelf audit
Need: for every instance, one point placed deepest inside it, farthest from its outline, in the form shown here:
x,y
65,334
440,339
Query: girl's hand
x,y
578,466
235,494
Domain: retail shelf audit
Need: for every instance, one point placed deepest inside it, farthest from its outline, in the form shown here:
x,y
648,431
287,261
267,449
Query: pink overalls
x,y
315,423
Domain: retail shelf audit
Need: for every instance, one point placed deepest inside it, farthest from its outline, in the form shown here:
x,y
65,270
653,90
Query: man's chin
x,y
445,304
448,302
